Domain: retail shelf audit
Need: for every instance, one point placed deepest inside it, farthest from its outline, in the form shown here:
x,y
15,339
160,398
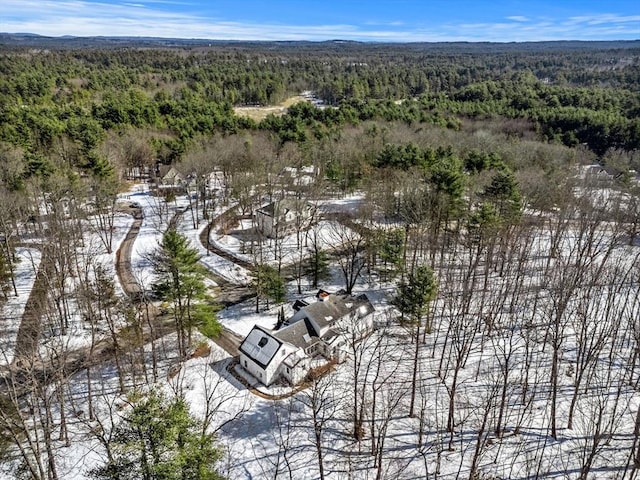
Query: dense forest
x,y
582,95
497,211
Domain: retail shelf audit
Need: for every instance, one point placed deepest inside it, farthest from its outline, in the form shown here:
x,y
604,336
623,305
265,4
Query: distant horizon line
x,y
334,40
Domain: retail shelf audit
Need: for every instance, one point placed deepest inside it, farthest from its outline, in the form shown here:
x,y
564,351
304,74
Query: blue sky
x,y
365,20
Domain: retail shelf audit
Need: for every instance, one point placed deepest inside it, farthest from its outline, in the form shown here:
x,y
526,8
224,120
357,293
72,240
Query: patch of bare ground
x,y
261,112
202,350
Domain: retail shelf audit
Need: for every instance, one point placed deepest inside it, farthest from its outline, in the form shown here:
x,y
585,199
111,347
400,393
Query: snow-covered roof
x,y
260,346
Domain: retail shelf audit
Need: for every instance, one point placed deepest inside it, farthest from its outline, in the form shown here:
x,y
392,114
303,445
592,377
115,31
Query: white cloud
x,y
606,18
148,18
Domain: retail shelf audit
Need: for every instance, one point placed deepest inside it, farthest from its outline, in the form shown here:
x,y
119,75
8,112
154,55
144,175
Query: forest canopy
x,y
571,93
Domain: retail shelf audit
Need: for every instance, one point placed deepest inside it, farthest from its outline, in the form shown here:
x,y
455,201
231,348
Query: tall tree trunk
x,y
414,377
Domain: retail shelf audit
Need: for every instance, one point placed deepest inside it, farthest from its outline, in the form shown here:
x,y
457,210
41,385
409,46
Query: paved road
x,y
230,341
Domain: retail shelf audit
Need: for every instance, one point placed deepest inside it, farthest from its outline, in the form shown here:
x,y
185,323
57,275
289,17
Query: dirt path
x,y
230,293
26,360
229,341
130,285
30,329
211,247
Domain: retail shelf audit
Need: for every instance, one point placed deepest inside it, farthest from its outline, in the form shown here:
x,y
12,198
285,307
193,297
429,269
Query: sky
x,y
362,20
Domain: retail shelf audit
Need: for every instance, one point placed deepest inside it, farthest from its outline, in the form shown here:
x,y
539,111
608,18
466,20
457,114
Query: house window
x,y
260,373
288,371
263,341
245,364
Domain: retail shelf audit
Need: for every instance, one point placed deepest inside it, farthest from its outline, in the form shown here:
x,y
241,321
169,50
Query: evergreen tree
x,y
415,293
181,282
391,251
317,268
6,273
413,299
158,439
504,193
269,284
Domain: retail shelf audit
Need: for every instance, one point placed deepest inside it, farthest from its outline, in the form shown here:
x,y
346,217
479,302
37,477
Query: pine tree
x,y
317,267
391,251
159,439
181,282
413,299
6,274
269,284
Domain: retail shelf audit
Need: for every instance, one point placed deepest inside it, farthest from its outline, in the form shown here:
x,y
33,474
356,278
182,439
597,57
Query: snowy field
x,y
216,264
91,256
156,217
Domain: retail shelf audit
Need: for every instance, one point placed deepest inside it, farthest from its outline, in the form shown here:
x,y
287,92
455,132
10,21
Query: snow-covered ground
x,y
90,254
11,314
483,397
156,217
157,214
293,245
214,263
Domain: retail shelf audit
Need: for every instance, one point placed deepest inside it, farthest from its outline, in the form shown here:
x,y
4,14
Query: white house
x,y
168,178
282,216
323,328
300,177
263,355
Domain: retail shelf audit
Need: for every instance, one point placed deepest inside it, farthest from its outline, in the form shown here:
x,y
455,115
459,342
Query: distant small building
x,y
322,328
282,216
596,173
300,177
168,178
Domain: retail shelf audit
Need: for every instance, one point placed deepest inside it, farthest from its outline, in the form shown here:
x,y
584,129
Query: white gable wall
x,y
264,223
254,369
295,367
255,353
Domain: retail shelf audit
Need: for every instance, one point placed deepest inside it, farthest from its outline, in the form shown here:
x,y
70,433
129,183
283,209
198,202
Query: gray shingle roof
x,y
300,334
334,307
